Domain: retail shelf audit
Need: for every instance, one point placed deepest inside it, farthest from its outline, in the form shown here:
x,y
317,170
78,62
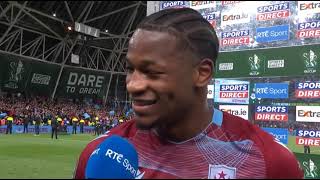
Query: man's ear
x,y
203,73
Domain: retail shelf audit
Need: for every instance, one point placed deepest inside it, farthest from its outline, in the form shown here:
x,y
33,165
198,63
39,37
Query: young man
x,y
171,58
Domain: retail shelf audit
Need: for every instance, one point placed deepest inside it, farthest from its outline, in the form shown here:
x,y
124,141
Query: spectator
x,y
31,110
9,124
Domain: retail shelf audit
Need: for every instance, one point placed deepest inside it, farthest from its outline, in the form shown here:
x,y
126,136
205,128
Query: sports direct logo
x,y
231,91
308,113
308,141
274,11
173,4
234,91
211,18
308,137
308,29
277,63
308,133
225,66
271,113
234,38
307,90
40,79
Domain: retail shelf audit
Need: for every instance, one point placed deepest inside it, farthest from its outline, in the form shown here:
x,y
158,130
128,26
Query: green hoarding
x,y
82,83
287,61
15,73
19,74
310,163
42,78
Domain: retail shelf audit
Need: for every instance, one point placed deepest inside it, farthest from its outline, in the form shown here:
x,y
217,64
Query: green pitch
x,y
28,156
299,148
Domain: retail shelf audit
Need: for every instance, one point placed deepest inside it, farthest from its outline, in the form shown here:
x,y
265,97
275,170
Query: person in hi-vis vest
x,y
96,125
74,125
81,125
93,124
9,124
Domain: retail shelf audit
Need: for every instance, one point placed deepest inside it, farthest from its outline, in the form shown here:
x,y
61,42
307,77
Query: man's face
x,y
159,79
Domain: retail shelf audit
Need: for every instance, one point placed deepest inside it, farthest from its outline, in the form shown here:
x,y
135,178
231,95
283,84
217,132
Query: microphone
x,y
114,158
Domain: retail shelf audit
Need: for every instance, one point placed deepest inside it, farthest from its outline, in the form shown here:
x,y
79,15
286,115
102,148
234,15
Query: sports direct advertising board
x,y
307,90
232,91
271,113
308,137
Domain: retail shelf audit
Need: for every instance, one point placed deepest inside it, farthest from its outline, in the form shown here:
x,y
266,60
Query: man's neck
x,y
193,123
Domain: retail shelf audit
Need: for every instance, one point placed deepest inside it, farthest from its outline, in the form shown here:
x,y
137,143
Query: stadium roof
x,y
38,30
44,24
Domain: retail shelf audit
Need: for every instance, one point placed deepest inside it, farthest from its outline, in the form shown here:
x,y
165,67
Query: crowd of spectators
x,y
28,110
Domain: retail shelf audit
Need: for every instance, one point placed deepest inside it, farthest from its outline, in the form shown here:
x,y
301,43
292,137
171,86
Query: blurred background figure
x,y
54,127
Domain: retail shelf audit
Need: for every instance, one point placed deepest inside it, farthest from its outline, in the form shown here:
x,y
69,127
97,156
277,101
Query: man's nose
x,y
136,82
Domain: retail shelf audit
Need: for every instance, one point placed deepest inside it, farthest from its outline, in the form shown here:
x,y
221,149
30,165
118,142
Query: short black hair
x,y
188,25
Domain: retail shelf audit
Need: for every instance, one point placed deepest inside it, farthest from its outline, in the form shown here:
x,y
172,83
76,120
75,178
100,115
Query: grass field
x,y
299,149
28,156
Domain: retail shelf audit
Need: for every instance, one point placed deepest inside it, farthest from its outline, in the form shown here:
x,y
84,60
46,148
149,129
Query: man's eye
x,y
153,72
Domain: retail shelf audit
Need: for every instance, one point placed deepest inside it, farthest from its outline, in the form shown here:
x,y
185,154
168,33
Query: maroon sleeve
x,y
123,130
281,163
279,160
